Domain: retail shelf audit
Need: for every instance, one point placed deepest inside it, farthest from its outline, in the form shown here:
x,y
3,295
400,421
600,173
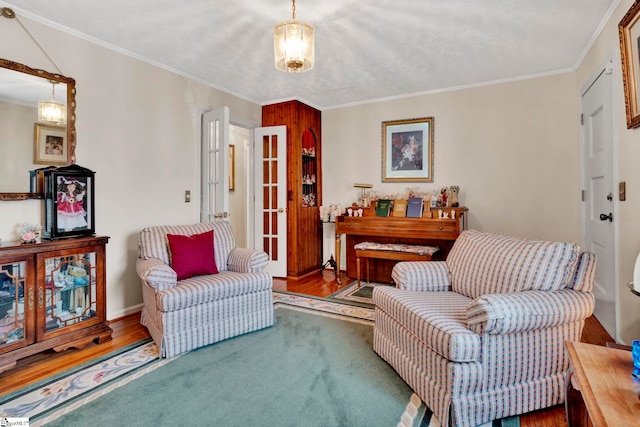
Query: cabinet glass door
x,y
70,296
15,303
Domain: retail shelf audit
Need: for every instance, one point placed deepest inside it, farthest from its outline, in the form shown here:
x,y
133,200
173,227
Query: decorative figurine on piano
x,y
453,196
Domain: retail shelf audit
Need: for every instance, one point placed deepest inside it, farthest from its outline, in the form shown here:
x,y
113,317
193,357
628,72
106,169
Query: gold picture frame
x,y
232,167
407,150
50,145
629,33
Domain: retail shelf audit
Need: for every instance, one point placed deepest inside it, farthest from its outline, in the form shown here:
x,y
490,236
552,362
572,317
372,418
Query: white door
x,y
598,207
215,173
270,166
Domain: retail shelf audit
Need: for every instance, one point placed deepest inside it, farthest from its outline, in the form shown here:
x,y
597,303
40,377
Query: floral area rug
x,y
34,401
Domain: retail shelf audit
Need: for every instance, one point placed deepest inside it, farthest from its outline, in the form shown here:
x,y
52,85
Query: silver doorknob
x,y
604,217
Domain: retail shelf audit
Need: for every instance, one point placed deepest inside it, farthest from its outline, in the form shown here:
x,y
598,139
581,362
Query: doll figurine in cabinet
x,y
69,201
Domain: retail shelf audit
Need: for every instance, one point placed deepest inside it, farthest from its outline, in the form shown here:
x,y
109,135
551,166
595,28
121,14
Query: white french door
x,y
215,174
270,167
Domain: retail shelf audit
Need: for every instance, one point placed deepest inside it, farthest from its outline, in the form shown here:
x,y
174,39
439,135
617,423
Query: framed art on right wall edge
x,y
629,32
407,150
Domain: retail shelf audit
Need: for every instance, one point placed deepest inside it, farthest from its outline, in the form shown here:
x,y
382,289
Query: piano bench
x,y
391,251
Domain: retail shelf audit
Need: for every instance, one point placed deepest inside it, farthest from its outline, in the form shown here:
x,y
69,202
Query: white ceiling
x,y
365,50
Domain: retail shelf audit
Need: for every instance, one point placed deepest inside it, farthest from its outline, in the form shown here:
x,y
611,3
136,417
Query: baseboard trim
x,y
124,313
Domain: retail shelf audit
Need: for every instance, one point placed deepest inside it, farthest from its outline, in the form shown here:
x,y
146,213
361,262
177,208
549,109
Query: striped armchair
x,y
182,315
481,336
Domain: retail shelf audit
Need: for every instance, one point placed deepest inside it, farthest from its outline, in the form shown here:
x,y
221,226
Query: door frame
x,y
607,66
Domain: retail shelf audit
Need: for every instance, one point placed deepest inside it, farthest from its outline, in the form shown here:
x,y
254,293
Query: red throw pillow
x,y
192,255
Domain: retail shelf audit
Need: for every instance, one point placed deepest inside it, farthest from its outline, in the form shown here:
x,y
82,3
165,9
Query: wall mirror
x,y
28,143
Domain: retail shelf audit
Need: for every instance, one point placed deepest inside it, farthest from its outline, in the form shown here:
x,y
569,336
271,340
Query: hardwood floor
x,y
128,330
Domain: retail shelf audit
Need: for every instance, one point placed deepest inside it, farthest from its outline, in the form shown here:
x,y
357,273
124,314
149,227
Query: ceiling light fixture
x,y
52,112
293,42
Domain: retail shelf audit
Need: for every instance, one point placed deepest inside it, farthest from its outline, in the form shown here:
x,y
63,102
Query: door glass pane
x,y
274,197
274,171
265,147
274,147
71,290
265,172
265,245
266,229
216,171
274,220
12,304
217,135
274,249
265,197
212,137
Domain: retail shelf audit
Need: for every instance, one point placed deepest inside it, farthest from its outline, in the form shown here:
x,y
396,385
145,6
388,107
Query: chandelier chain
x,y
294,9
10,14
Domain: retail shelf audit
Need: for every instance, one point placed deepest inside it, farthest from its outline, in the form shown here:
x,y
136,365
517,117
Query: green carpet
x,y
307,370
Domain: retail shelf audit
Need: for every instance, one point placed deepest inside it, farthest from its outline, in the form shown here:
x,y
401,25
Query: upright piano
x,y
417,231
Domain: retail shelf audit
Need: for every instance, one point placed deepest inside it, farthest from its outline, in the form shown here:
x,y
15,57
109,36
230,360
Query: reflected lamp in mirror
x,y
52,112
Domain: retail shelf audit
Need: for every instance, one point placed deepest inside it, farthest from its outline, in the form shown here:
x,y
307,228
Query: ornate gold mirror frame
x,y
71,118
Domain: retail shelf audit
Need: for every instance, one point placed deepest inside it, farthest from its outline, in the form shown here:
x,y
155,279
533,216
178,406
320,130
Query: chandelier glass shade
x,y
52,112
293,43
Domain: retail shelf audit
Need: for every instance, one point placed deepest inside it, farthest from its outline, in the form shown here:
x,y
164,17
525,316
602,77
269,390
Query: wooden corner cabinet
x,y
304,183
52,296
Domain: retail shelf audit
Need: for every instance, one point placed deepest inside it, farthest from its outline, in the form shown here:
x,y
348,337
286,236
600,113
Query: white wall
x,y
627,155
512,148
137,129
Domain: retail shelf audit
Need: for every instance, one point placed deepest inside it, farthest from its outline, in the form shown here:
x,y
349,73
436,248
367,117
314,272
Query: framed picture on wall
x,y
407,150
629,32
50,145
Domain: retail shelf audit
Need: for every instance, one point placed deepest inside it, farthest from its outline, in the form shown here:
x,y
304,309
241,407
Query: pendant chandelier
x,y
293,44
52,112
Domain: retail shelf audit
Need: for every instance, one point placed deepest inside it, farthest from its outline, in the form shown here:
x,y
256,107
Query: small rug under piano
x,y
357,296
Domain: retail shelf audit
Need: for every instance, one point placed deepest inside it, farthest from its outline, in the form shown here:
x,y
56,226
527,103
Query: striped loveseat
x,y
182,315
482,335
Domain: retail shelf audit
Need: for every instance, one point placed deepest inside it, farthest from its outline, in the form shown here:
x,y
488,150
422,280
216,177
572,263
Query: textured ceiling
x,y
365,50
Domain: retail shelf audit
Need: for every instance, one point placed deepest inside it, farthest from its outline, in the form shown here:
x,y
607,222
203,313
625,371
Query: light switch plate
x,y
187,196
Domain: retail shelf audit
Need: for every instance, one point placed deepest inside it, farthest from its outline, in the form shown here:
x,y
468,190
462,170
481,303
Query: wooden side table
x,y
600,388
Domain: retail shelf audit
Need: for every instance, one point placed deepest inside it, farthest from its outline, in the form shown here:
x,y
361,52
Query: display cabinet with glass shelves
x,y
52,296
14,319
